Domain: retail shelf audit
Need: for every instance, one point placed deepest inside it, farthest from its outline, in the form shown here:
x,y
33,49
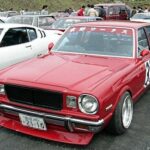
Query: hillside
x,y
55,5
37,4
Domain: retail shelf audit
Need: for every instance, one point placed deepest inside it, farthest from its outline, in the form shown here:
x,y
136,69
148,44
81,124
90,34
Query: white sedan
x,y
141,17
22,42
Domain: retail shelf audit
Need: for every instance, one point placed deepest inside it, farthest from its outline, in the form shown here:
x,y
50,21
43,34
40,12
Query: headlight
x,y
88,104
2,89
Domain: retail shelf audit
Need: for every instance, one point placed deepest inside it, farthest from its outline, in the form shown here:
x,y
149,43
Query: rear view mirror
x,y
50,46
144,52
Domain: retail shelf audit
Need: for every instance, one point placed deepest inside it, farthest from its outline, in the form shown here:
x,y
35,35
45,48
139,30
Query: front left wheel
x,y
123,115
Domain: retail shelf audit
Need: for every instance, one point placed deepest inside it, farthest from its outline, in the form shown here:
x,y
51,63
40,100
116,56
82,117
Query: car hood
x,y
75,72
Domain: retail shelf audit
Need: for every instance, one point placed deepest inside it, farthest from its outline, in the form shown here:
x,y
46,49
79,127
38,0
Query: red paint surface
x,y
107,78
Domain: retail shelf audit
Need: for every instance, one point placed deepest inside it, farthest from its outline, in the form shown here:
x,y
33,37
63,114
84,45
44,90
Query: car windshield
x,y
97,40
65,23
31,13
46,21
21,20
141,16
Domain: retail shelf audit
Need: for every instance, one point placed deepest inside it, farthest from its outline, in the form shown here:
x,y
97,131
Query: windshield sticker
x,y
124,32
147,75
120,31
101,29
113,30
93,29
72,30
82,29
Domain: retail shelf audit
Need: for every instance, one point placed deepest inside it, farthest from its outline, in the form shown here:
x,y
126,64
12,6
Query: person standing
x,y
146,10
44,10
134,11
80,12
92,12
102,12
140,9
87,9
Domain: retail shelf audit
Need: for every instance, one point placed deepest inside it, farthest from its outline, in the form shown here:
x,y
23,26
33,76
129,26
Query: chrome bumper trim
x,y
45,115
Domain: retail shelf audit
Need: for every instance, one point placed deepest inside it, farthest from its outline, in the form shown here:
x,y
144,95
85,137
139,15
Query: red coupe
x,y
88,81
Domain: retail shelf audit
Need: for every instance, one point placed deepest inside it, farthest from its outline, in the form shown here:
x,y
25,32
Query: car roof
x,y
125,24
12,25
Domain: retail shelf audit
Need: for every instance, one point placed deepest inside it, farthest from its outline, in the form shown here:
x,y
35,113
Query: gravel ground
x,y
137,137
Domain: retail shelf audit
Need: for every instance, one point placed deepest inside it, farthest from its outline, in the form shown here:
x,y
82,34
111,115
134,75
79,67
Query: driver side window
x,y
142,40
14,36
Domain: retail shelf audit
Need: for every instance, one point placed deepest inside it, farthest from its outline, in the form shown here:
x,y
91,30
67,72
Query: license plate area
x,y
32,122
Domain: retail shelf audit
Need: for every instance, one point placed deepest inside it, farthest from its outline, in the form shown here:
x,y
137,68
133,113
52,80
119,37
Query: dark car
x,y
42,21
63,23
115,11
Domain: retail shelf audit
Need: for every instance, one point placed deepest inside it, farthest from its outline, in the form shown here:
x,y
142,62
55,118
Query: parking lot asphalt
x,y
137,137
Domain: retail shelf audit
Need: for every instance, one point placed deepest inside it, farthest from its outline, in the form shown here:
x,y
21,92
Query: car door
x,y
38,41
143,62
15,47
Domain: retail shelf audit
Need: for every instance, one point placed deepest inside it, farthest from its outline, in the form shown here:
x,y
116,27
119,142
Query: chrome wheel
x,y
127,112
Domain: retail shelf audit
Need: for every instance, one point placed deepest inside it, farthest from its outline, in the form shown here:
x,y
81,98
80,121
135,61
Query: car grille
x,y
35,97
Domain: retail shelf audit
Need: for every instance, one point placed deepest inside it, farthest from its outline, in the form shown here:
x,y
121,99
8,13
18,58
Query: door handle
x,y
28,46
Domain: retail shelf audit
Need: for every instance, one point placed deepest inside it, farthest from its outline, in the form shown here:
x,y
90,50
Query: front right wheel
x,y
122,116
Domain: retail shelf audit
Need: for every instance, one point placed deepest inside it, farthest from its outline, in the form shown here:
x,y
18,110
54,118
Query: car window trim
x,y
147,36
44,33
40,33
28,28
138,41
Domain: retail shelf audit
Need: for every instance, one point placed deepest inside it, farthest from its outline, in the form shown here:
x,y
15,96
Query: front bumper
x,y
78,128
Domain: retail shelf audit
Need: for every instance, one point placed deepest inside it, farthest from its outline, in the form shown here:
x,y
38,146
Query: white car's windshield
x,y
45,22
3,14
20,20
65,23
141,16
97,40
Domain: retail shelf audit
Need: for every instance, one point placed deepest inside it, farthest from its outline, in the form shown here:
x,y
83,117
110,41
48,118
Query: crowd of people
x,y
90,11
139,10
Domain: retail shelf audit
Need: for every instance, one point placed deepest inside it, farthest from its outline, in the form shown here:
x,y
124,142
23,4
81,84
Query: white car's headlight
x,y
2,89
88,104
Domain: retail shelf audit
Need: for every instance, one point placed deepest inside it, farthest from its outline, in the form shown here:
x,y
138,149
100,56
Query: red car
x,y
115,11
88,81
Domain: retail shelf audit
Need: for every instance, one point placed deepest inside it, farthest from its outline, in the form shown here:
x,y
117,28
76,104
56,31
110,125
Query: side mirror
x,y
144,52
50,46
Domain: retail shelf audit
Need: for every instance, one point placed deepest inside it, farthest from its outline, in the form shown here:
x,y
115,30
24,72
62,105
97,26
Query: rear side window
x,y
112,11
15,36
32,34
142,40
148,32
117,10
